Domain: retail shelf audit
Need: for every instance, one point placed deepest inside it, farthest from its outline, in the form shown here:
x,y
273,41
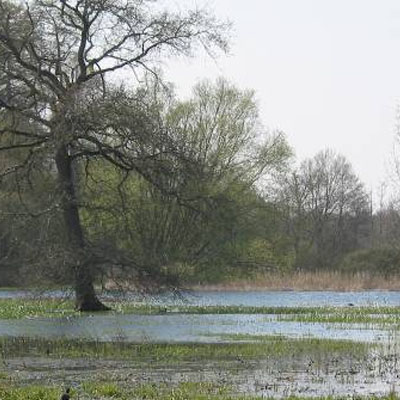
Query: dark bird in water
x,y
66,395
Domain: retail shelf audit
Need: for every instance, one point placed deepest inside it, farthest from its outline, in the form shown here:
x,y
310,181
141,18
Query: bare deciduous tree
x,y
323,197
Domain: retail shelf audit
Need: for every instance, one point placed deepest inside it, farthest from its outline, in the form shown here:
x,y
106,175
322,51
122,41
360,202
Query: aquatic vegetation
x,y
47,307
175,371
183,391
23,308
258,348
3,376
29,393
100,390
167,371
382,318
108,389
378,318
149,391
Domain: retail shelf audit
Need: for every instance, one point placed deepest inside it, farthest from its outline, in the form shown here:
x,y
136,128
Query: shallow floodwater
x,y
267,378
246,298
178,328
174,327
368,374
291,298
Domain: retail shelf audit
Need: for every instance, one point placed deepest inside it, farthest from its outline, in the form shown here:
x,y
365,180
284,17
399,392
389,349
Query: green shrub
x,y
378,261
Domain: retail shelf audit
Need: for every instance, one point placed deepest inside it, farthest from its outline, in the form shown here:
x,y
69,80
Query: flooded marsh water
x,y
184,328
269,376
180,327
237,298
323,372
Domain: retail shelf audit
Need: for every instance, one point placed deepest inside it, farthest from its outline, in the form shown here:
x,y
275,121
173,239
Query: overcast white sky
x,y
326,72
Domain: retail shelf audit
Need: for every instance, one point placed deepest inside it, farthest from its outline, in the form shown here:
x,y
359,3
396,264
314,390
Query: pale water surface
x,y
173,327
245,298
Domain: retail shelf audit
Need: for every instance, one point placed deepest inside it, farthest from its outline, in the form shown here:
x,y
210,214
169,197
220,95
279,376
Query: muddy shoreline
x,y
372,375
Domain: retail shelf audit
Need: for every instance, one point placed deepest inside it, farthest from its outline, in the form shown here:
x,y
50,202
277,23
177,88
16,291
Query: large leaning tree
x,y
62,103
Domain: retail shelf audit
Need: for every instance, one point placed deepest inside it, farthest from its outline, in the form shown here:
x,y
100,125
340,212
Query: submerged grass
x,y
246,346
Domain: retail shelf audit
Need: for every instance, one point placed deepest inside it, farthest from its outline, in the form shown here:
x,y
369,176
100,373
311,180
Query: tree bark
x,y
86,298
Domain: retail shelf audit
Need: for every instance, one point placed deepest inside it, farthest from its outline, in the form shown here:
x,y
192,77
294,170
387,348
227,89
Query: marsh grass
x,y
152,391
149,391
23,308
338,317
29,393
309,281
243,345
54,308
387,317
31,308
107,389
379,317
99,391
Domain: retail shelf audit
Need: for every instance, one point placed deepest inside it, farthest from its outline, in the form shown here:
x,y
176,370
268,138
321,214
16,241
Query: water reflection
x,y
181,328
203,328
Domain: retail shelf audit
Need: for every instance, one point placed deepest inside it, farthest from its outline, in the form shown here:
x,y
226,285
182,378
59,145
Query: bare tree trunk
x,y
86,299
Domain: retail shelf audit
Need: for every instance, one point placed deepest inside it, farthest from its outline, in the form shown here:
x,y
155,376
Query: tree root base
x,y
92,305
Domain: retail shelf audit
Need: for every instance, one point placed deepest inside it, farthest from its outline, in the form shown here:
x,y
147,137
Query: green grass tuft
x,y
243,345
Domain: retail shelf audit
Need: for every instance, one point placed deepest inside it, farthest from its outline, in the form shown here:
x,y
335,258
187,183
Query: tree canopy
x,y
59,101
133,178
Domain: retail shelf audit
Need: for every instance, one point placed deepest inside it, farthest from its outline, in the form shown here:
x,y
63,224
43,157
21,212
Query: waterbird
x,y
66,395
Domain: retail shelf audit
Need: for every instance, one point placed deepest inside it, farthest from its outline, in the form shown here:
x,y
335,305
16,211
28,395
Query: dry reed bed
x,y
309,281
